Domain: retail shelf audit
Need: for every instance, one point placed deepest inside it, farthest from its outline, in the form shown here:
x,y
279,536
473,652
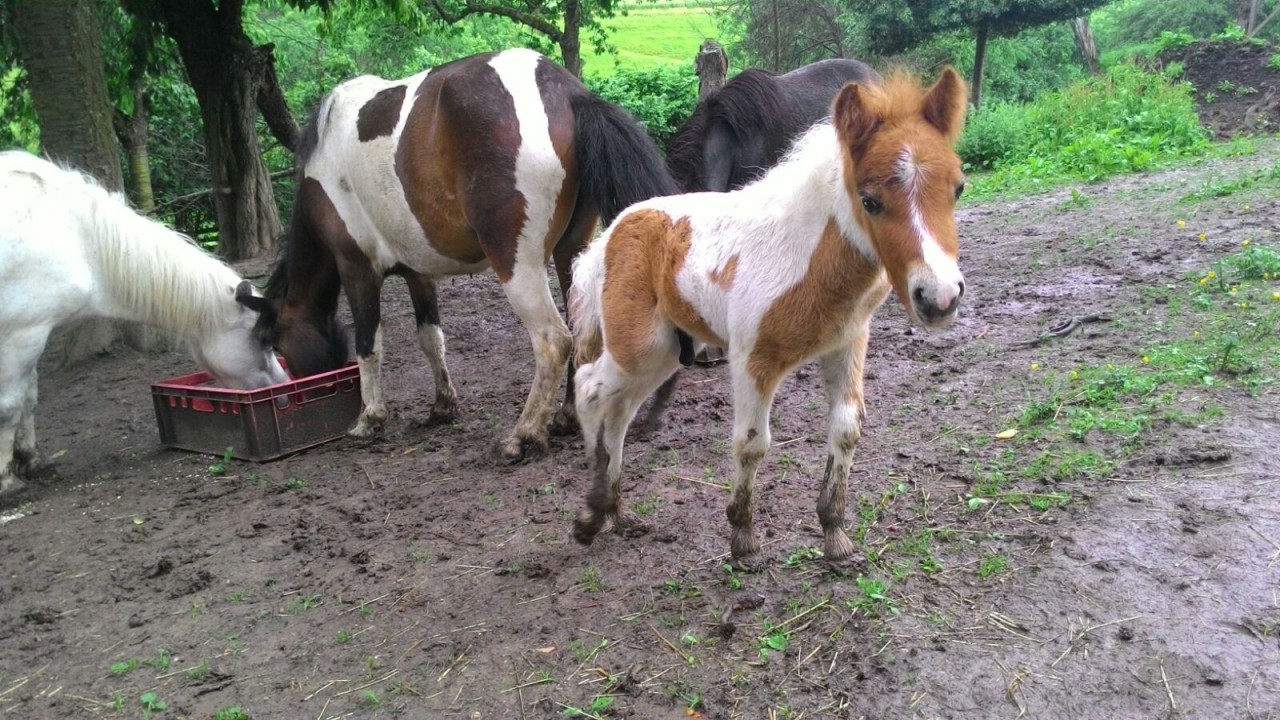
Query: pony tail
x,y
618,163
584,303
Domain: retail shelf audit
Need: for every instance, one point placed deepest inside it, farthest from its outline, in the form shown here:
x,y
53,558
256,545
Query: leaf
x,y
138,519
547,649
1006,434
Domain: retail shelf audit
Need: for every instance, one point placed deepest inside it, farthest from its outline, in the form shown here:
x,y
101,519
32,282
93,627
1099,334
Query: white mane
x,y
810,169
153,273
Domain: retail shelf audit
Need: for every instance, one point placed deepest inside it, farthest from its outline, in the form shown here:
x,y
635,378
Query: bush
x,y
1123,121
661,97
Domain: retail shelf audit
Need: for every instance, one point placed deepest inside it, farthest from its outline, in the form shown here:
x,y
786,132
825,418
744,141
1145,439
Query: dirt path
x,y
415,577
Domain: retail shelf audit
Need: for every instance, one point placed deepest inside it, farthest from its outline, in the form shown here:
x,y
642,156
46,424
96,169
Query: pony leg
x,y
364,290
607,403
530,296
842,376
751,440
17,405
576,236
426,310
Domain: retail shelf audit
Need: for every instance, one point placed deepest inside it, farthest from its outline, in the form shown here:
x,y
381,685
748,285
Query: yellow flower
x,y
1246,208
1182,223
1275,296
1245,243
1212,274
1145,359
1234,290
1202,236
1035,366
1195,333
1244,304
1204,281
1075,374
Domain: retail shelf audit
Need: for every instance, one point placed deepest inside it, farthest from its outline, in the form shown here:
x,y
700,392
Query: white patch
x,y
944,276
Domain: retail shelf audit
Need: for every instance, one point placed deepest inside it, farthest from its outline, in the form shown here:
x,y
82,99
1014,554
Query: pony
x,y
742,129
786,269
71,250
500,160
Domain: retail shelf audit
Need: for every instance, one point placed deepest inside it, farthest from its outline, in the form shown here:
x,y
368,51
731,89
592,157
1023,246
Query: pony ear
x,y
945,104
855,120
258,304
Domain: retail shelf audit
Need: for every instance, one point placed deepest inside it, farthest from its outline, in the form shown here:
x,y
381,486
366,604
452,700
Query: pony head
x,y
903,178
236,356
310,345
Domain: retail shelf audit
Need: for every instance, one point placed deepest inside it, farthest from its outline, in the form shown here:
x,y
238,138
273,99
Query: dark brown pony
x,y
501,160
741,130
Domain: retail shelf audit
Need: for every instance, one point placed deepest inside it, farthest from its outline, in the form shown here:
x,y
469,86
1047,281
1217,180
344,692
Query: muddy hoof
x,y
837,546
367,427
11,488
441,415
565,422
629,525
516,449
27,463
585,527
710,357
743,544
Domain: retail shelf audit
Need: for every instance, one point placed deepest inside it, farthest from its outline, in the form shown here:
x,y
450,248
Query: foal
x,y
789,268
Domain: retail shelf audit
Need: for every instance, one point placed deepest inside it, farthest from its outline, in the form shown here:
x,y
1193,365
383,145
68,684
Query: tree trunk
x,y
712,64
133,131
226,72
979,57
62,52
570,42
1084,41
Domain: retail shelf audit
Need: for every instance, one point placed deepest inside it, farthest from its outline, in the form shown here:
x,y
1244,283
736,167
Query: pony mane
x,y
750,104
899,97
154,272
810,169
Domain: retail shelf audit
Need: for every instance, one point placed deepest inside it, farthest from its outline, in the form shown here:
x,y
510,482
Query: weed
x,y
992,565
199,672
117,702
343,637
872,597
371,698
366,609
776,637
590,580
732,579
802,555
221,465
236,596
648,506
150,703
295,483
231,713
124,666
302,603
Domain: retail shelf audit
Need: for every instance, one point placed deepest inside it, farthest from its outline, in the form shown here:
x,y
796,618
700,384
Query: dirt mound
x,y
1237,92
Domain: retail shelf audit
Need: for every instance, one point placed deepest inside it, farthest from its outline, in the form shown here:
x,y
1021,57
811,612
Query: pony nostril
x,y
960,294
917,298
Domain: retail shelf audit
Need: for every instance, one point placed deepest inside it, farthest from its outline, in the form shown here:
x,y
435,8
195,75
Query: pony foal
x,y
71,250
789,268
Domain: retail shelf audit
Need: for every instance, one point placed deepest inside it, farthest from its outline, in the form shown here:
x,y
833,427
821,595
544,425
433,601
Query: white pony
x,y
71,250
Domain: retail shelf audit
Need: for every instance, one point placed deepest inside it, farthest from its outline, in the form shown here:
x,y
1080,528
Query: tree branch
x,y
1262,24
271,102
473,8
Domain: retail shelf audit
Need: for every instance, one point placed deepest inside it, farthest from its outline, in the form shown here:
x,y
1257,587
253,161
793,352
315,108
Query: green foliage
x,y
1123,121
1016,68
19,127
662,97
645,36
1177,23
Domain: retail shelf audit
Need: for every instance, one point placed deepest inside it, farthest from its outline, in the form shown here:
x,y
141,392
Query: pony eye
x,y
871,204
959,190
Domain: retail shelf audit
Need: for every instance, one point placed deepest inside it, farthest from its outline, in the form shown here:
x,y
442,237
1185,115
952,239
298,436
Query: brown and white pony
x,y
786,269
499,160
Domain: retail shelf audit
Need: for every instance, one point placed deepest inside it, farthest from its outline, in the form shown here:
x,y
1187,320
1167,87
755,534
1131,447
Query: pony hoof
x,y
11,487
441,416
586,527
565,422
629,525
366,427
743,545
26,462
516,449
837,546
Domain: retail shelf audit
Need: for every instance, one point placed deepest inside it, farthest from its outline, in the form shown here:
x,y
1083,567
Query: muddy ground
x,y
416,577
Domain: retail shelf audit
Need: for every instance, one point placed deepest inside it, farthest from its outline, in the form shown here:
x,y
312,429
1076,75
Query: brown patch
x,y
945,104
645,252
456,162
840,287
723,277
379,116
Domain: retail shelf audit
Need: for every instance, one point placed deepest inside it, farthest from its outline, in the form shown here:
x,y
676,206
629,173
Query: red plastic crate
x,y
262,424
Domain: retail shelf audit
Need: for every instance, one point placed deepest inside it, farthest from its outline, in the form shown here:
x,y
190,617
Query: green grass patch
x,y
1263,177
647,36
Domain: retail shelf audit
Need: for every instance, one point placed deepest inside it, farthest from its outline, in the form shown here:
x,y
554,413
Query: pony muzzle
x,y
935,300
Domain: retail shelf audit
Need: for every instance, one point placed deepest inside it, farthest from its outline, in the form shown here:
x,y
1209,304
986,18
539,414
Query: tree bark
x,y
226,71
570,42
133,131
1084,41
979,57
712,64
62,52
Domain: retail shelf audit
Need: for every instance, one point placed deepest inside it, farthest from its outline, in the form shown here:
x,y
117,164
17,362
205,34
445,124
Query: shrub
x,y
994,133
661,97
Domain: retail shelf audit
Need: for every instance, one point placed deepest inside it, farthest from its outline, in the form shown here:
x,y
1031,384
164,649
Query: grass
x,y
645,36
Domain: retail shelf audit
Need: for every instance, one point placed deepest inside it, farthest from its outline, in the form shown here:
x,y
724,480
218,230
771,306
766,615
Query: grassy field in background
x,y
651,35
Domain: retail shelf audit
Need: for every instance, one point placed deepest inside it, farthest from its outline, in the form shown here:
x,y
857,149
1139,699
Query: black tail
x,y
618,163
